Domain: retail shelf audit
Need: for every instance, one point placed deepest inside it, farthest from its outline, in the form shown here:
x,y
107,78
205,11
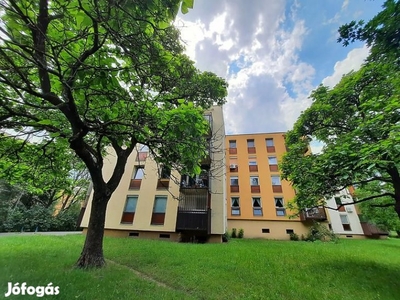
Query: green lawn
x,y
241,269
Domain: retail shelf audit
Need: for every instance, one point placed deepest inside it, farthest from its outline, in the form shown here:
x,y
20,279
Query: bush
x,y
294,237
233,235
241,233
320,232
225,237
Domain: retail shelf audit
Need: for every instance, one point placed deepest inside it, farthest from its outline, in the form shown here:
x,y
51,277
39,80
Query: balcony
x,y
316,214
190,185
194,213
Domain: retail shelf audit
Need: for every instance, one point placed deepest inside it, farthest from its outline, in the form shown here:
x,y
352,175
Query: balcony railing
x,y
316,213
194,220
194,213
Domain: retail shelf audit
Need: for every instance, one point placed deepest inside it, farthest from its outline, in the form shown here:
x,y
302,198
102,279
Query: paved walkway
x,y
39,233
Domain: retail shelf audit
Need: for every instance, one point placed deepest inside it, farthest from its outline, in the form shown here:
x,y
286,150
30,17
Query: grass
x,y
241,269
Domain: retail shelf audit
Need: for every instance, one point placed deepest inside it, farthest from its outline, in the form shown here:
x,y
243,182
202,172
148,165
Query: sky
x,y
272,53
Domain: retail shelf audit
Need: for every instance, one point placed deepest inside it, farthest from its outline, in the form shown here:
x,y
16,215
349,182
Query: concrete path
x,y
39,233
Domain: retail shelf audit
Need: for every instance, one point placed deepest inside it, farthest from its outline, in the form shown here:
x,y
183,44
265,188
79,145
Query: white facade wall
x,y
350,212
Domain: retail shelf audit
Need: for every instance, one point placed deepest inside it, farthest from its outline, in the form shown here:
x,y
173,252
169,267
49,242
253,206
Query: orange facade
x,y
254,188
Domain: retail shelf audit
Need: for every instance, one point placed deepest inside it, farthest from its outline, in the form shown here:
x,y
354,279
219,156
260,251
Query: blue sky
x,y
272,53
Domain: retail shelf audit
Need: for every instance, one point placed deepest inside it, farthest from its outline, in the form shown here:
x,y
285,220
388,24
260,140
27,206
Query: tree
x,y
99,75
379,210
44,173
359,122
381,33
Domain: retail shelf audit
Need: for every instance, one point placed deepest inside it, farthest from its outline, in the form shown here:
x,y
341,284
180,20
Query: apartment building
x,y
257,197
344,218
157,203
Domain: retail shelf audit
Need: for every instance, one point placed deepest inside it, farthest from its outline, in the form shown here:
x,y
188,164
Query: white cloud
x,y
353,61
256,48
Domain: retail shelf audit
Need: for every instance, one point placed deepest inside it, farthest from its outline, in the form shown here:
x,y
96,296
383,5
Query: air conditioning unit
x,y
233,166
349,209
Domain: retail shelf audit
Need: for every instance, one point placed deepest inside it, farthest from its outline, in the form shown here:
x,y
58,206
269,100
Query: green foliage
x,y
357,120
240,233
294,237
381,33
234,233
378,211
319,232
101,76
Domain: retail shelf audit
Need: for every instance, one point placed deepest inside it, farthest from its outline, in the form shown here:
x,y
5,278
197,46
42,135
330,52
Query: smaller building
x,y
345,220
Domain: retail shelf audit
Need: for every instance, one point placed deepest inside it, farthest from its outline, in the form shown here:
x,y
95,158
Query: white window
x,y
276,180
160,204
344,219
139,173
279,207
234,180
252,163
235,206
254,180
272,160
257,209
269,142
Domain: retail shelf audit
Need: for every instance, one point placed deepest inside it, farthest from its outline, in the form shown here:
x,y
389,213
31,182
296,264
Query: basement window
x,y
164,236
289,231
265,230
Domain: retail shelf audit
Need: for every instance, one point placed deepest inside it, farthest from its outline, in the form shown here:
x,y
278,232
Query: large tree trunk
x,y
92,253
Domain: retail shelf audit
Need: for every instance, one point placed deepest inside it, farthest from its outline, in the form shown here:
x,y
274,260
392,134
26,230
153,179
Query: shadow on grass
x,y
357,279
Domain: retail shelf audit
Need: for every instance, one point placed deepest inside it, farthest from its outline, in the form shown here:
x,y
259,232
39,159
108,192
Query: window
x,y
338,201
234,180
133,233
254,180
270,145
232,144
235,206
164,236
251,146
139,172
272,160
160,205
257,209
279,207
165,172
129,209
253,165
276,180
163,181
345,222
289,231
265,230
137,177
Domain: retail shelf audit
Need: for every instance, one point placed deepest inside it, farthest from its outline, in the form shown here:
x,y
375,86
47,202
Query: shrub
x,y
225,237
241,233
294,237
320,232
233,235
